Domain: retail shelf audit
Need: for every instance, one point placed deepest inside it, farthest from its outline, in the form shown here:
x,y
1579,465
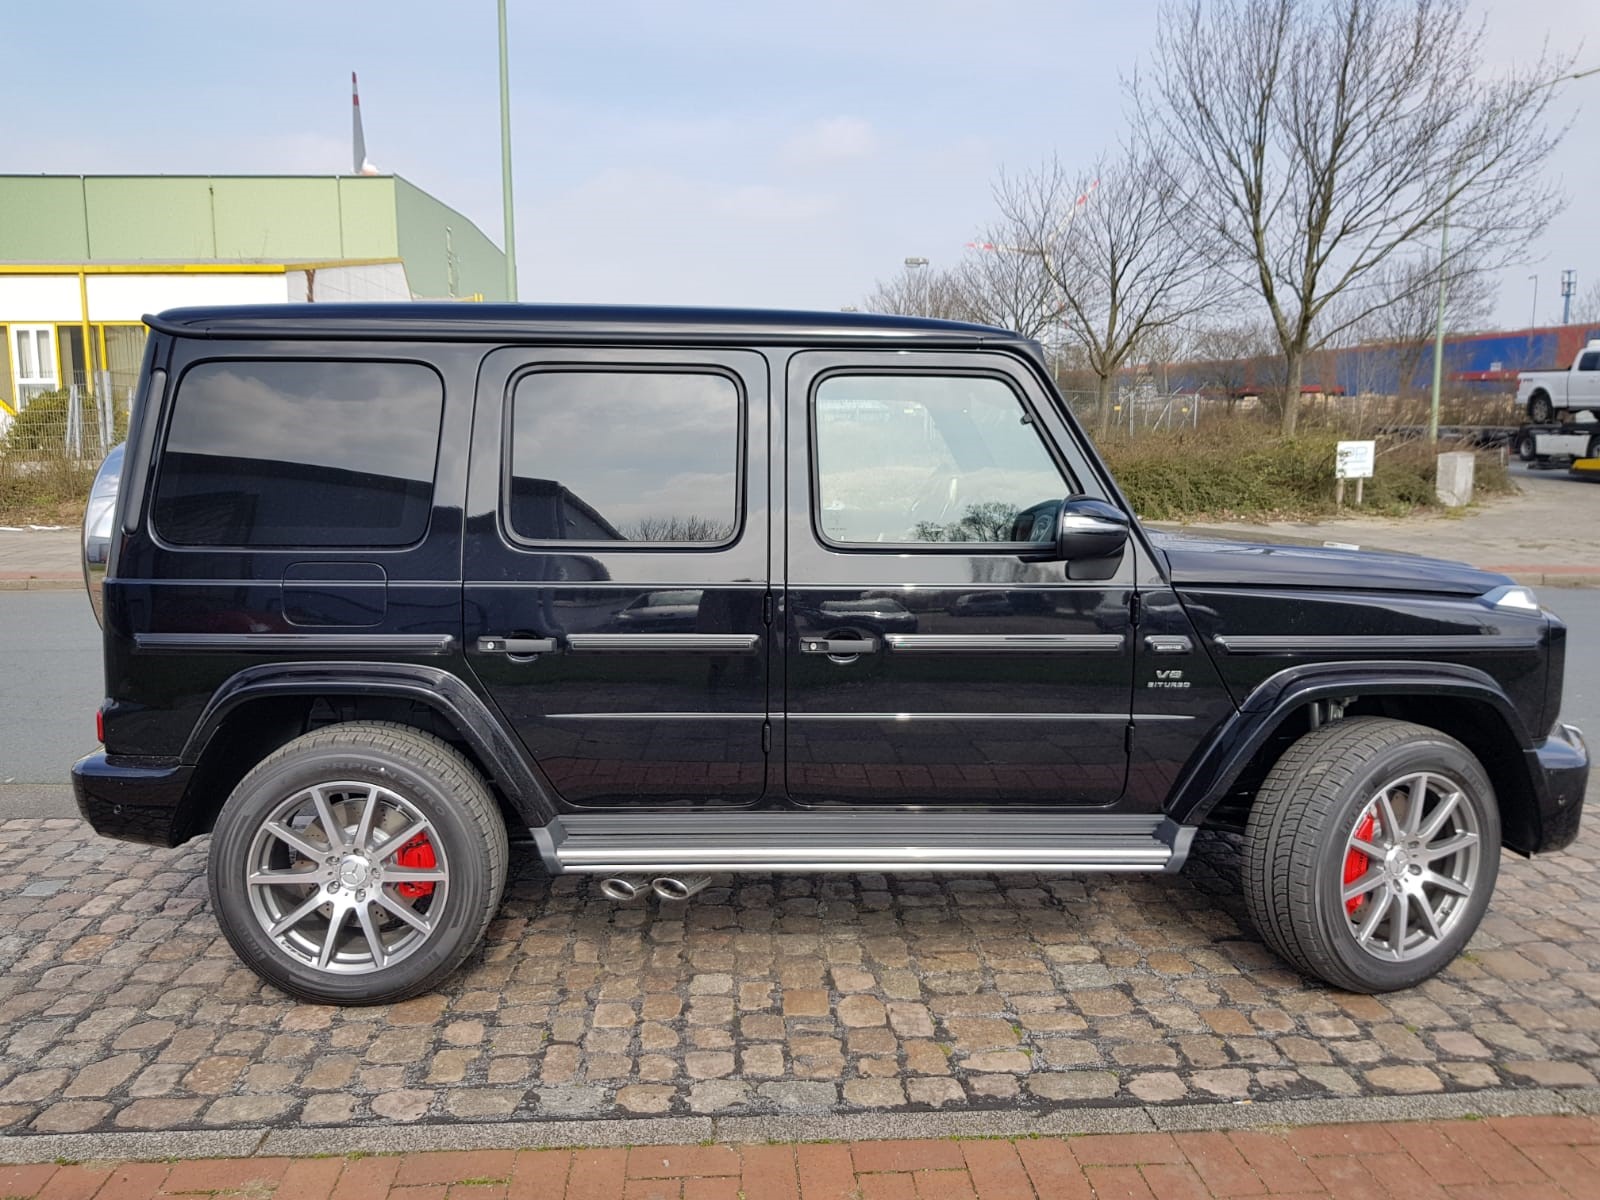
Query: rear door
x,y
928,659
616,569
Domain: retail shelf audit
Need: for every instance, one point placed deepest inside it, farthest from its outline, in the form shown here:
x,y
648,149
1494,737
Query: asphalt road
x,y
50,684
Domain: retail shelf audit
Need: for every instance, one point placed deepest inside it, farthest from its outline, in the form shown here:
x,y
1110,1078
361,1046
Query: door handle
x,y
500,645
838,646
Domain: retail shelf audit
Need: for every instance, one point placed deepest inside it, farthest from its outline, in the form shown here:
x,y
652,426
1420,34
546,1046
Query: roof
x,y
484,322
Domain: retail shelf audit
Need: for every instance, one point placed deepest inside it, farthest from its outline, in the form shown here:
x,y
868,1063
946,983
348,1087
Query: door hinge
x,y
1133,610
766,737
1127,738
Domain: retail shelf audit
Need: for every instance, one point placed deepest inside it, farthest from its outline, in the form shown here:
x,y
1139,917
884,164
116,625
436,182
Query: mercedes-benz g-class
x,y
673,592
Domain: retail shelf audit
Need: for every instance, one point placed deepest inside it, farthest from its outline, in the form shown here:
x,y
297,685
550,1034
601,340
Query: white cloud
x,y
834,140
764,202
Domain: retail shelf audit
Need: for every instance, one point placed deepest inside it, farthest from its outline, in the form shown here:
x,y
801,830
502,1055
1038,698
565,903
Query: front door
x,y
616,569
928,658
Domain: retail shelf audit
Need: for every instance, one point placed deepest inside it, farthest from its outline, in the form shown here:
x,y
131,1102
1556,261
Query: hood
x,y
1210,561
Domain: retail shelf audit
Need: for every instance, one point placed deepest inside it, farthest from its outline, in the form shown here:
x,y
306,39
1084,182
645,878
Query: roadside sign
x,y
1354,460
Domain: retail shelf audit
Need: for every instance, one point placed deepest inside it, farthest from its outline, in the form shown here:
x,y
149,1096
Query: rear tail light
x,y
100,726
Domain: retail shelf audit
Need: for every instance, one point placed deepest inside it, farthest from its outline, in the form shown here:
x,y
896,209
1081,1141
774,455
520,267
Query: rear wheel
x,y
1540,410
359,864
1371,853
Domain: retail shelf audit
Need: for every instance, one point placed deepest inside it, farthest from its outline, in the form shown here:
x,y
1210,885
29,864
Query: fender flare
x,y
510,768
1212,772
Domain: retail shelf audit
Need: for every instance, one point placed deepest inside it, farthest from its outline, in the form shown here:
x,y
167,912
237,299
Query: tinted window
x,y
300,454
1589,362
629,456
927,458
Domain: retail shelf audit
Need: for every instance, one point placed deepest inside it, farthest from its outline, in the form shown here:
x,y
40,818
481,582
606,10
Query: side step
x,y
822,841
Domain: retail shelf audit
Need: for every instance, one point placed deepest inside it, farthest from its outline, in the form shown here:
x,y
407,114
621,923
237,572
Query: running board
x,y
821,841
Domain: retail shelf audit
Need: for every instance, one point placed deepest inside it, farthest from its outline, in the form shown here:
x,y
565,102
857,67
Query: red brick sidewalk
x,y
1519,1158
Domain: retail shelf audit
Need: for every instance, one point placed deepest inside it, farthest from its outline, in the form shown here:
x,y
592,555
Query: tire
x,y
1526,450
451,848
1297,854
1540,410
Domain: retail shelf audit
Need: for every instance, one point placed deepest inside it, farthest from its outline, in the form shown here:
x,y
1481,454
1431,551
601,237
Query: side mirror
x,y
1090,536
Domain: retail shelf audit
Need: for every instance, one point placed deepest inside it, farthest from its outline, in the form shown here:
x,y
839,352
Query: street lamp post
x,y
505,162
1533,314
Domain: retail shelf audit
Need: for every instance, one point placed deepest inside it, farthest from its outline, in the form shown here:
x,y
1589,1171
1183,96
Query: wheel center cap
x,y
355,872
1395,862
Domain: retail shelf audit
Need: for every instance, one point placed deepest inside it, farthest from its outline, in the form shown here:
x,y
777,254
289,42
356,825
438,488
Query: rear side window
x,y
625,456
300,454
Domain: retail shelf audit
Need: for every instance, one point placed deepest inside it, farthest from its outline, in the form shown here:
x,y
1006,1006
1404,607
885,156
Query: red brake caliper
x,y
417,854
1355,862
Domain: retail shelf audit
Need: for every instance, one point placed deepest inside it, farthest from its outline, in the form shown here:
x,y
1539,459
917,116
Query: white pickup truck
x,y
1544,393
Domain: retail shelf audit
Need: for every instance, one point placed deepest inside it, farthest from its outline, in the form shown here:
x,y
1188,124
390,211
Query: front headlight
x,y
1513,598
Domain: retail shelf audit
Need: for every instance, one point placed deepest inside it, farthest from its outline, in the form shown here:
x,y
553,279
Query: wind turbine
x,y
363,164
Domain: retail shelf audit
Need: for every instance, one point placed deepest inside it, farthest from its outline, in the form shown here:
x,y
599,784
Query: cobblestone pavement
x,y
122,1008
1523,1157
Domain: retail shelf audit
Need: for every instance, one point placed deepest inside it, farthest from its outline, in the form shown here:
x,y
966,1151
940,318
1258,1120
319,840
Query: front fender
x,y
1215,768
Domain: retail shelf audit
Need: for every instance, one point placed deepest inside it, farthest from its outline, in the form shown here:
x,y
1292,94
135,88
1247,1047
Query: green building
x,y
84,257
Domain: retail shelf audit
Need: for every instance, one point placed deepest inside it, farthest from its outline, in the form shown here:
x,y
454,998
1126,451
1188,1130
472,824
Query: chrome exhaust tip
x,y
670,887
623,887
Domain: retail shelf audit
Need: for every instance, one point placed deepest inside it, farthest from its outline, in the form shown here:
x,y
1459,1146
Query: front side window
x,y
625,456
928,458
1589,362
300,454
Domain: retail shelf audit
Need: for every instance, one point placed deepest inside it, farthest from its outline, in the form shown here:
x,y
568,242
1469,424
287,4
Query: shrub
x,y
40,482
41,427
1239,469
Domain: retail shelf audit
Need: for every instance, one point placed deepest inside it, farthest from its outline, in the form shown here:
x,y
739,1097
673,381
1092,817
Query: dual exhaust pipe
x,y
667,887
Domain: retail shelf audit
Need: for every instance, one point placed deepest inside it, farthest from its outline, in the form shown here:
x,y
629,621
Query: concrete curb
x,y
662,1131
33,584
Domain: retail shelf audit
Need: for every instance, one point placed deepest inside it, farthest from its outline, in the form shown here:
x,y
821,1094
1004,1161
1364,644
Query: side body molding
x,y
509,767
1222,759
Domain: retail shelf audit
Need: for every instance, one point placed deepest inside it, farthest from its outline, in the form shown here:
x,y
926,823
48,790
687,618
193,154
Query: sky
x,y
739,153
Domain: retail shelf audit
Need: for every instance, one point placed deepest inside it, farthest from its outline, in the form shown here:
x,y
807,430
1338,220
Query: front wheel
x,y
359,864
1527,450
1371,853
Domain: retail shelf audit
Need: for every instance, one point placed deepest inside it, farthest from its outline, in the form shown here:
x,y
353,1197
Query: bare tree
x,y
1235,358
1013,291
1113,242
1328,137
1408,319
1586,308
991,289
925,291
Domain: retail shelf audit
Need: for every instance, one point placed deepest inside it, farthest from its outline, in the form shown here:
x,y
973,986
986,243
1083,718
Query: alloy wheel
x,y
347,877
1411,864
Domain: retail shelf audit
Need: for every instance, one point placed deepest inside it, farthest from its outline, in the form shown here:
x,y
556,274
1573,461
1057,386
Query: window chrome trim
x,y
1004,643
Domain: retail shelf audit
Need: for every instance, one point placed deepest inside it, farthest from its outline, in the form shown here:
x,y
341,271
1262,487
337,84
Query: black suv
x,y
669,592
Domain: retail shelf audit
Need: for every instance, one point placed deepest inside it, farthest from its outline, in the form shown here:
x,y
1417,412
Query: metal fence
x,y
1138,410
75,423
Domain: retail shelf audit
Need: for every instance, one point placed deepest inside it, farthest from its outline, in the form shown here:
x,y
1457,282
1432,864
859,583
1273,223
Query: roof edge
x,y
476,322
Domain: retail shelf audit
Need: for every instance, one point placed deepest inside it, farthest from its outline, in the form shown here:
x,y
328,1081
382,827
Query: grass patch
x,y
1243,470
